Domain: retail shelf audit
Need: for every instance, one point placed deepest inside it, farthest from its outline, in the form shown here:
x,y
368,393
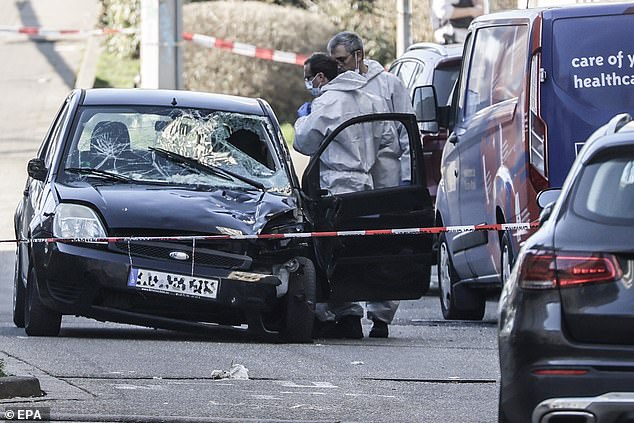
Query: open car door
x,y
373,267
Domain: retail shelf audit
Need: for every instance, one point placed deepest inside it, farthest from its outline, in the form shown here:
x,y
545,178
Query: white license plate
x,y
168,283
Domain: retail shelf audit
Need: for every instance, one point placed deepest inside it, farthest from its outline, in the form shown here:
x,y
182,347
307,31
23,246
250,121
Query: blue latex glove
x,y
304,110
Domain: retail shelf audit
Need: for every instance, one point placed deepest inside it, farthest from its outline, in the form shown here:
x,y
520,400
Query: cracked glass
x,y
175,146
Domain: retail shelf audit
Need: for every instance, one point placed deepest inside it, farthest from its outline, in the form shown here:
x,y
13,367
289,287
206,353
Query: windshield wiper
x,y
218,171
100,173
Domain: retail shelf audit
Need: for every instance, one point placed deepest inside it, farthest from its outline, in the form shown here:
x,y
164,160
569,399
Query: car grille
x,y
203,256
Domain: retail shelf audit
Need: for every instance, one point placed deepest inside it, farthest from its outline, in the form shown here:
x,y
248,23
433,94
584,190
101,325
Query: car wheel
x,y
507,257
39,320
18,292
472,302
300,303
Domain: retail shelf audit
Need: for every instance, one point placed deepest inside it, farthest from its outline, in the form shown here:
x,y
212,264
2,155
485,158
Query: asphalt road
x,y
429,370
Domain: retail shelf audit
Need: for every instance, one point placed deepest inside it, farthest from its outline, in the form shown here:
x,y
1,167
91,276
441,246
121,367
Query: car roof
x,y
619,131
557,12
178,98
432,51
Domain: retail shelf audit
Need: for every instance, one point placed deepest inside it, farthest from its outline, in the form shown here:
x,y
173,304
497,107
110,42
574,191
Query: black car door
x,y
364,266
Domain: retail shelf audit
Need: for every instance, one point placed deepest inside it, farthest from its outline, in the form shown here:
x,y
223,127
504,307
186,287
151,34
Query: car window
x,y
366,156
407,70
498,57
54,141
176,146
444,80
605,188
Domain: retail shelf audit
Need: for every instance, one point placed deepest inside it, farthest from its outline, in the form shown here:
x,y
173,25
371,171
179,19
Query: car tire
x,y
300,303
456,302
507,257
19,292
39,320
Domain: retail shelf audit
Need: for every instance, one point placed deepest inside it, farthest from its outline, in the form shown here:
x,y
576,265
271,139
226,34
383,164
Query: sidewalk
x,y
35,77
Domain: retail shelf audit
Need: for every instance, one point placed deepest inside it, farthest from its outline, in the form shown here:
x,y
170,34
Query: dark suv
x,y
565,331
439,66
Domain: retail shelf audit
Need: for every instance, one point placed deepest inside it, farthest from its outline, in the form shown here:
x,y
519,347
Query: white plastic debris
x,y
238,371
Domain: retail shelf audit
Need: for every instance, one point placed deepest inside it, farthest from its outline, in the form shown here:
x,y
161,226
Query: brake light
x,y
577,270
537,270
545,270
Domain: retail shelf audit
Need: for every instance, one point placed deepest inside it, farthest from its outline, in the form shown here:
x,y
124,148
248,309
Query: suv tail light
x,y
544,270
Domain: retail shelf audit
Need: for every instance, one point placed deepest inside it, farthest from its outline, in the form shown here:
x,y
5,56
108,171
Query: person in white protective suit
x,y
350,161
347,49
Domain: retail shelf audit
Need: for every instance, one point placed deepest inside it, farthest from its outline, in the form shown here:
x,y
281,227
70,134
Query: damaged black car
x,y
182,210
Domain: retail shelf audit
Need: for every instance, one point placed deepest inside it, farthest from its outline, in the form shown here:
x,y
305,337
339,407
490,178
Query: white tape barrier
x,y
200,39
372,232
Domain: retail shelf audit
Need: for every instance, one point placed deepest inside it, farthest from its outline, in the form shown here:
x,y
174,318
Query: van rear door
x,y
588,59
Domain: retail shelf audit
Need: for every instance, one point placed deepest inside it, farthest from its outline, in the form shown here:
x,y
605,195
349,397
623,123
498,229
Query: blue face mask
x,y
315,91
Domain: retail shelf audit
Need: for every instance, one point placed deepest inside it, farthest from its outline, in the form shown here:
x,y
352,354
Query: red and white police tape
x,y
200,39
326,234
245,49
42,32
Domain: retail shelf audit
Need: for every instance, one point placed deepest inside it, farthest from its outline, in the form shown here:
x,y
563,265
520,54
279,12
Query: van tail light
x,y
537,130
545,270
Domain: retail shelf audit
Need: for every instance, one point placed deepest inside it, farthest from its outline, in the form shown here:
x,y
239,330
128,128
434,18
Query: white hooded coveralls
x,y
363,156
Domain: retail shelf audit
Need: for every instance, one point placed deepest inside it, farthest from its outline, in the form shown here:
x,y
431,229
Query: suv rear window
x,y
605,188
596,70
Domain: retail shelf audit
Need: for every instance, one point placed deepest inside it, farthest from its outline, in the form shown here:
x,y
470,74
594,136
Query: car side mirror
x,y
425,103
544,215
547,197
37,169
546,201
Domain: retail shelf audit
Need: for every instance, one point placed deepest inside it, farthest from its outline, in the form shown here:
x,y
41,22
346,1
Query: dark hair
x,y
322,62
349,40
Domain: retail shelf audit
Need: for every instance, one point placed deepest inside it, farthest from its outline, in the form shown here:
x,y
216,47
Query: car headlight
x,y
228,231
76,221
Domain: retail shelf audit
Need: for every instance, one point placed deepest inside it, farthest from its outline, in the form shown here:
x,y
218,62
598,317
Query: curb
x,y
85,77
19,386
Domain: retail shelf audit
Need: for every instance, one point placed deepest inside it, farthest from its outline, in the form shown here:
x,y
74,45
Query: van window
x,y
596,70
497,63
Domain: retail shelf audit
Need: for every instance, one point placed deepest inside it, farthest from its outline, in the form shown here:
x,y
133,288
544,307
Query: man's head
x,y
347,49
319,69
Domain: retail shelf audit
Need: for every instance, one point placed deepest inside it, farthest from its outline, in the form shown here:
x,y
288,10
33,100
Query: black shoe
x,y
349,327
379,329
325,330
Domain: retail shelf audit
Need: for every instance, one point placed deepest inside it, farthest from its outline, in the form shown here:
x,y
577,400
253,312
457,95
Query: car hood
x,y
147,208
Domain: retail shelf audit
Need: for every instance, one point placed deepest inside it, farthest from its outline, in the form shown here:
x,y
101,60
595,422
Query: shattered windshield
x,y
169,146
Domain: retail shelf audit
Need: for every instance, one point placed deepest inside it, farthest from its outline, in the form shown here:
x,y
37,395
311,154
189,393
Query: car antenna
x,y
174,101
